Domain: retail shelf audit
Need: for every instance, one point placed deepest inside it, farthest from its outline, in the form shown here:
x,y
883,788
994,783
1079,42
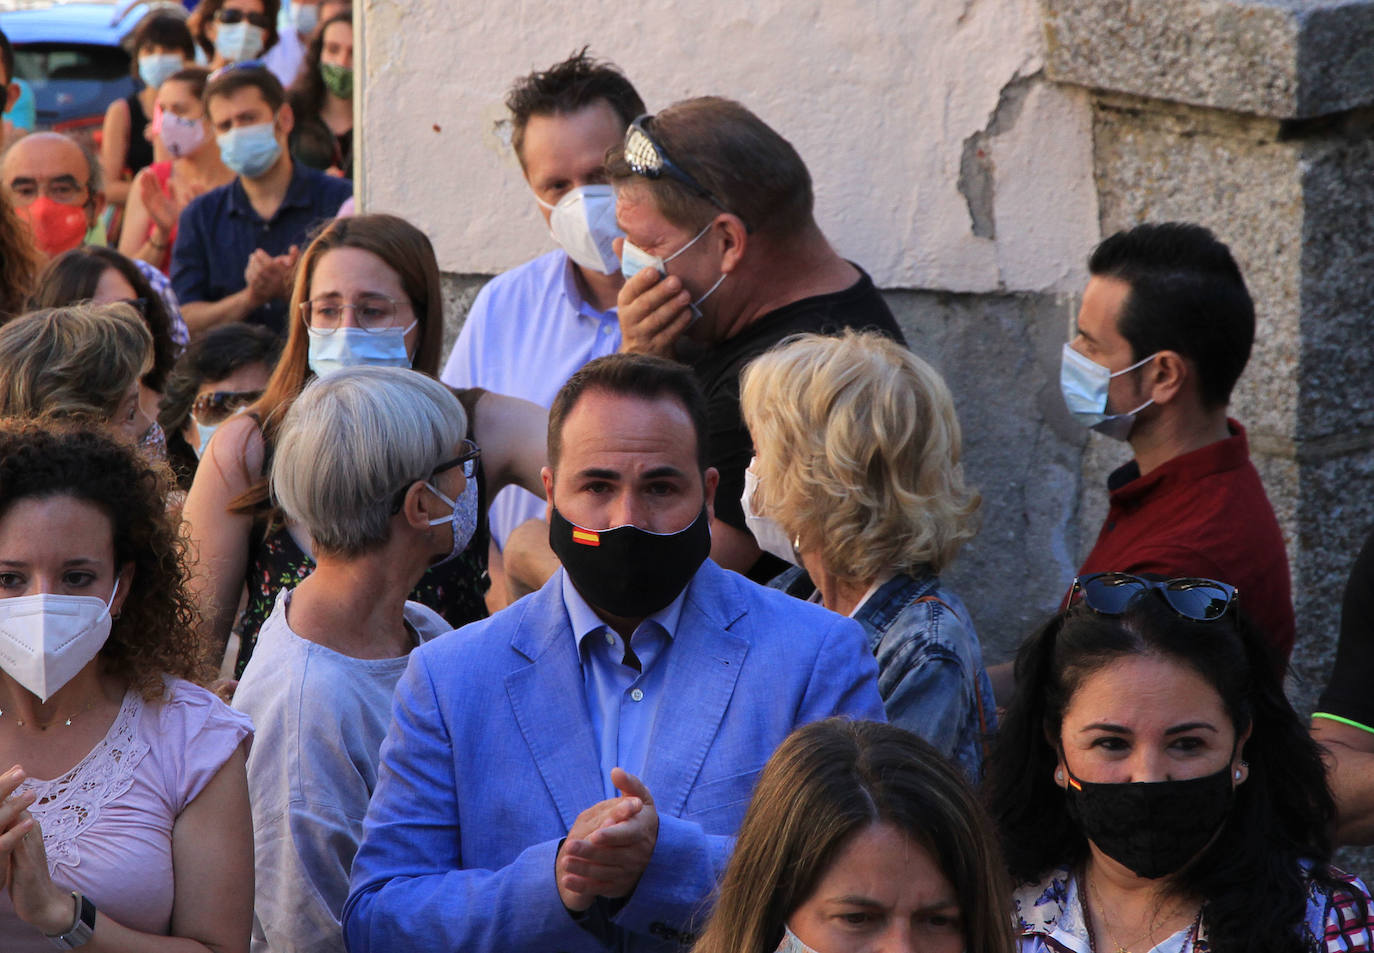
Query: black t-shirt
x,y
859,306
1348,693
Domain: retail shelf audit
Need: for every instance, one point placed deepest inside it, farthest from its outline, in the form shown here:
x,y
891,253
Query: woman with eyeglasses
x,y
373,463
124,817
366,293
235,31
1155,790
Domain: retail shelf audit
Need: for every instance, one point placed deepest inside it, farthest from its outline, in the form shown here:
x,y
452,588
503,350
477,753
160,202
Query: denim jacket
x,y
930,664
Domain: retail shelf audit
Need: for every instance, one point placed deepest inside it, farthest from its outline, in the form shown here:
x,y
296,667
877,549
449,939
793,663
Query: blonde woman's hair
x,y
858,447
78,361
830,781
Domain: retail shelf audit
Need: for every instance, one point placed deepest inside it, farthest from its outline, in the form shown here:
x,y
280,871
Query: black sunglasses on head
x,y
1111,593
646,157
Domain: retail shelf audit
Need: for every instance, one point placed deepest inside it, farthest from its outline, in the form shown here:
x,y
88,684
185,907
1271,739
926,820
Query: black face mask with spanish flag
x,y
627,571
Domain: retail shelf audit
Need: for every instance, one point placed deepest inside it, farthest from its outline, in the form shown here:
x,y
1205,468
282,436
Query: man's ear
x,y
97,206
1167,376
734,238
710,479
546,475
286,119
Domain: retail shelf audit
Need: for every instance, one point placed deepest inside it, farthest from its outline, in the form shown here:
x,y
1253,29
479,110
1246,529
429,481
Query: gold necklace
x,y
1190,940
66,723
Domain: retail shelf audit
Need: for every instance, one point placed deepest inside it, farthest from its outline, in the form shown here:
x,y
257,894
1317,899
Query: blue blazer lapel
x,y
550,706
703,666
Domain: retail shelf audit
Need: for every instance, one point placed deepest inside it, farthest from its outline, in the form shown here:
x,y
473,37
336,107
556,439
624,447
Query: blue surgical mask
x,y
634,259
463,518
206,431
305,17
352,347
250,150
1084,384
237,42
155,68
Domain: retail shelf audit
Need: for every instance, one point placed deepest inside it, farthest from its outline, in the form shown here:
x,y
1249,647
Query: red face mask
x,y
56,227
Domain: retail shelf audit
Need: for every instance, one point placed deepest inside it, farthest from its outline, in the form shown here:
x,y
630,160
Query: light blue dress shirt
x,y
621,700
528,331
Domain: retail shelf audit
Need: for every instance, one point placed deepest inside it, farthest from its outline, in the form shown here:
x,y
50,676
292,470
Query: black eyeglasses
x,y
258,20
646,157
466,458
1111,593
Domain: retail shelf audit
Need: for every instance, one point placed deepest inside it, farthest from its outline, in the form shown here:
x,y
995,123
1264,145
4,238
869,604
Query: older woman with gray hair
x,y
857,482
373,463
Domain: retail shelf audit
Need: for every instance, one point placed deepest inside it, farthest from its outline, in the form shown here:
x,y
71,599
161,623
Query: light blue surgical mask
x,y
240,41
634,259
155,68
464,515
305,17
250,150
1084,384
352,347
206,431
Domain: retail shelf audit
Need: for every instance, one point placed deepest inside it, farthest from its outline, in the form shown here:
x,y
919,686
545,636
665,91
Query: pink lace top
x,y
107,823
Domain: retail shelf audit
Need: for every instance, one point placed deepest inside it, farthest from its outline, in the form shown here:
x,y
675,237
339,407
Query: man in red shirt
x,y
1163,334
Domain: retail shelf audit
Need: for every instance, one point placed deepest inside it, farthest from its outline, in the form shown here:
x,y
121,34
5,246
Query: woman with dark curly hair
x,y
1155,790
124,812
19,262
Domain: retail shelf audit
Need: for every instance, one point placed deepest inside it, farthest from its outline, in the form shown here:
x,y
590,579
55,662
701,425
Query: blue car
x,y
72,55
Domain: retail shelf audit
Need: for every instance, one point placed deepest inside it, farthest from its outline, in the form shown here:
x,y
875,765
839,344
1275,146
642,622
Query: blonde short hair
x,y
352,442
76,361
858,454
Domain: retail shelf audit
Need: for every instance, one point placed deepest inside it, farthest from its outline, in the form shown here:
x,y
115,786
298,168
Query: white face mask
x,y
352,347
46,639
463,518
1084,384
766,531
305,17
237,42
790,943
634,259
583,222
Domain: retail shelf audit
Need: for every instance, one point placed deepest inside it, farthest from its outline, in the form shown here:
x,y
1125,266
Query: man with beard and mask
x,y
569,773
237,245
533,326
723,259
53,183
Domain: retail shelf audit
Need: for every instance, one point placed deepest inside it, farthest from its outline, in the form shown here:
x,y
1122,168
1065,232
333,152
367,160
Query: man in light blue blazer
x,y
569,774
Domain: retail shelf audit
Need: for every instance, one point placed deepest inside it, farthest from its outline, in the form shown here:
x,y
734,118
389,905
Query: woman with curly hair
x,y
857,482
19,262
124,813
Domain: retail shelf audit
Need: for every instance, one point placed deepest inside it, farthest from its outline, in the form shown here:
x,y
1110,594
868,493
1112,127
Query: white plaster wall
x,y
879,98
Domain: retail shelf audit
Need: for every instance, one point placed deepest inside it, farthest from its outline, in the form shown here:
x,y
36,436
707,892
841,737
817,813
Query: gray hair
x,y
95,179
352,442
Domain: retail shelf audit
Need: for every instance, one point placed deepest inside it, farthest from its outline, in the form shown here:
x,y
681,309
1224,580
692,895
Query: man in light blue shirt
x,y
530,328
569,774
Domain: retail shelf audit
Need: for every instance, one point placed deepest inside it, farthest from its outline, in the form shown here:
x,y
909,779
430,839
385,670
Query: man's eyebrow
x,y
22,180
598,473
658,473
1078,329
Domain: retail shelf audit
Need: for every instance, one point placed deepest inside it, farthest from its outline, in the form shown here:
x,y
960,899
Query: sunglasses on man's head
x,y
1111,593
646,157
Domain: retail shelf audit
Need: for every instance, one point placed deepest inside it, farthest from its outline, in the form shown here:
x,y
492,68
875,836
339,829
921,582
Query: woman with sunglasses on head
x,y
366,292
1155,790
861,838
235,31
373,463
124,817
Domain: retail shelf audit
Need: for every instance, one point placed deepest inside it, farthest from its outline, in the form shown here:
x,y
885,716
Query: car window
x,y
40,63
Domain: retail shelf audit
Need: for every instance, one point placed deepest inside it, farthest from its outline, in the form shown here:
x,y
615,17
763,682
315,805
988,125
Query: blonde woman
x,y
856,481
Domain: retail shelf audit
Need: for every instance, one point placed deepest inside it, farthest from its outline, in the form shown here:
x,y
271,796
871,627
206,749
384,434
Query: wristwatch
x,y
82,930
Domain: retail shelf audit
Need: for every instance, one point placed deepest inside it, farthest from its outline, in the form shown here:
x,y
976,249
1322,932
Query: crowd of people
x,y
622,626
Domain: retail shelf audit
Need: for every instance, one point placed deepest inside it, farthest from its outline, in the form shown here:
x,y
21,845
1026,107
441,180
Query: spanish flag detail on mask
x,y
586,537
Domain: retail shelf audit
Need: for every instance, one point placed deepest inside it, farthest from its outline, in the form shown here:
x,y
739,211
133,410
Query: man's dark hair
x,y
731,153
566,87
228,81
1187,295
7,57
631,375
